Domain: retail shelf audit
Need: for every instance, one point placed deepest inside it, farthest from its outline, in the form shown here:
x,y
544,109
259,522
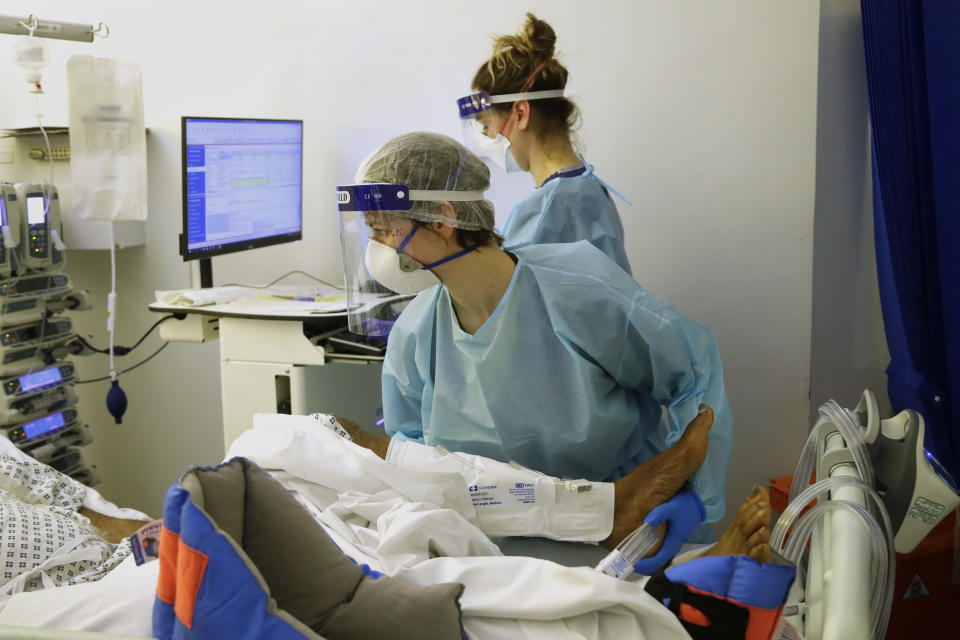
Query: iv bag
x,y
108,147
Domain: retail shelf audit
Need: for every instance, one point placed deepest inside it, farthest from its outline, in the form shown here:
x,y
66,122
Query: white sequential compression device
x,y
878,491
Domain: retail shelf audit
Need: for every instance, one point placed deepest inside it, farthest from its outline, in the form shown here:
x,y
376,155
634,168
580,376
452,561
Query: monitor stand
x,y
206,273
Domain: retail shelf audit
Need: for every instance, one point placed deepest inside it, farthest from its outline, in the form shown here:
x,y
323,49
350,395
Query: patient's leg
x,y
749,533
657,480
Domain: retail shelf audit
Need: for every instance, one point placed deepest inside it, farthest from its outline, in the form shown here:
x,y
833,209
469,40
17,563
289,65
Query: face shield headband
x,y
473,105
379,279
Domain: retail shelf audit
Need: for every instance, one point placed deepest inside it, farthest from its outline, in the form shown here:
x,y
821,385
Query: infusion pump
x,y
9,228
40,225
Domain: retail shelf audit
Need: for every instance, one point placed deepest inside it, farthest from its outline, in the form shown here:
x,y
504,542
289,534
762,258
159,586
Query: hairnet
x,y
431,161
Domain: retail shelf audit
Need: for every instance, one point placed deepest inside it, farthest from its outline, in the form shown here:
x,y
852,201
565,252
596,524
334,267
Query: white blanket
x,y
415,525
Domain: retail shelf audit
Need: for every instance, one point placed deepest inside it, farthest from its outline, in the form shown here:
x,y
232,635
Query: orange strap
x,y
181,572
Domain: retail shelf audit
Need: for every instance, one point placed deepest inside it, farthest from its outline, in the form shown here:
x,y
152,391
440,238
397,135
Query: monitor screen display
x,y
242,184
43,425
35,209
39,379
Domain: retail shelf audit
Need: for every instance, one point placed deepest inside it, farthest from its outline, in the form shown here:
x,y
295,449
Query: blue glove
x,y
683,513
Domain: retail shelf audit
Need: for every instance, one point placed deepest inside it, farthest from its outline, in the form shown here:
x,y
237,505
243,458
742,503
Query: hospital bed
x,y
847,568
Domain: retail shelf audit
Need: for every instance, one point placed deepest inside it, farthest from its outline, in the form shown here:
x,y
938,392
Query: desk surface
x,y
267,306
254,309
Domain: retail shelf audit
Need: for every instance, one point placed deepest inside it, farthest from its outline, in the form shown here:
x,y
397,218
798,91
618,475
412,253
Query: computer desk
x,y
268,365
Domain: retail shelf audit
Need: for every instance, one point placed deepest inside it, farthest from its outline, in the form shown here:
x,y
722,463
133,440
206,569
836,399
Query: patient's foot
x,y
658,479
749,533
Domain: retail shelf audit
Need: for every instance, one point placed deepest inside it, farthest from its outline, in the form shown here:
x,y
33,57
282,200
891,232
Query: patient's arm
x,y
636,494
377,444
113,529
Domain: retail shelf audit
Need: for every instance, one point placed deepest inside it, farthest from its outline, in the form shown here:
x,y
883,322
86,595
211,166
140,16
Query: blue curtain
x,y
913,76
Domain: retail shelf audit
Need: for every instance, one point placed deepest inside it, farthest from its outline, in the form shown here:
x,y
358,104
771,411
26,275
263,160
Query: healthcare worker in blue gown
x,y
549,355
519,118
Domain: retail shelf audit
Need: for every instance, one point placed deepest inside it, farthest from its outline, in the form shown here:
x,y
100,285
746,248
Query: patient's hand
x,y
377,444
655,481
113,529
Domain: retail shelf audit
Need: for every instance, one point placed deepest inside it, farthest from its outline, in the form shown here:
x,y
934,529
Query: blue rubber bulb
x,y
116,401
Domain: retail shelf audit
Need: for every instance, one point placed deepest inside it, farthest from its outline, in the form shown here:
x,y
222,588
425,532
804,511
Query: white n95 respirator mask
x,y
396,270
497,150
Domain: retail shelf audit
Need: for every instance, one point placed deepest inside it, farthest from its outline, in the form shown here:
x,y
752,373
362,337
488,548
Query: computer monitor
x,y
242,184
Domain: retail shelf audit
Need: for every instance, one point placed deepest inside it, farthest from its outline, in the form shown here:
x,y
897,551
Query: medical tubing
x,y
619,562
128,369
878,560
112,300
49,151
796,506
793,510
805,467
813,450
881,556
853,436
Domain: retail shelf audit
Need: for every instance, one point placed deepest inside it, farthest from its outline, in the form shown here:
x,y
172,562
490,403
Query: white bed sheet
x,y
393,528
119,603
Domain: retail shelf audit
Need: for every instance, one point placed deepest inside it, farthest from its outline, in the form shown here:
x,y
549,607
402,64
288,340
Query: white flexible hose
x,y
883,558
853,436
112,300
881,555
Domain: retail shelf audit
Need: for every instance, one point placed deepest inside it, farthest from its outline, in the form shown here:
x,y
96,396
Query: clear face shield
x,y
476,113
380,278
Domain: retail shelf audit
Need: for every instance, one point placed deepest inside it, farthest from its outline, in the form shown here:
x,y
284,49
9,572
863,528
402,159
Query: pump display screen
x,y
43,425
40,379
35,209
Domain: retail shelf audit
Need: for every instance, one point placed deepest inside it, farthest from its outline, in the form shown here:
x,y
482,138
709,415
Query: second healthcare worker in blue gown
x,y
521,119
550,355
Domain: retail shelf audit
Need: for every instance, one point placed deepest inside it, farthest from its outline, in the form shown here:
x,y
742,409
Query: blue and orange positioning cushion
x,y
241,558
725,597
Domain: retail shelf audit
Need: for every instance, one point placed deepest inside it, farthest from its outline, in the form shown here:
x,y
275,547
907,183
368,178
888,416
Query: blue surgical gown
x,y
568,209
567,376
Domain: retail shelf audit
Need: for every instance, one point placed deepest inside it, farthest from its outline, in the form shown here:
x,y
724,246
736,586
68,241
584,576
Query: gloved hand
x,y
683,513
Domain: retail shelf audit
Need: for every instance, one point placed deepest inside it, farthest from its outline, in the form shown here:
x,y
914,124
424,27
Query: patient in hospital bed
x,y
53,530
77,515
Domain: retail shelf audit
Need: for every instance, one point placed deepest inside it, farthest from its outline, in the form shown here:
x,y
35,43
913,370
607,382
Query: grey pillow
x,y
305,573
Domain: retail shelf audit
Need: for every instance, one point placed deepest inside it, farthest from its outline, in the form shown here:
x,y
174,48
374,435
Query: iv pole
x,y
75,31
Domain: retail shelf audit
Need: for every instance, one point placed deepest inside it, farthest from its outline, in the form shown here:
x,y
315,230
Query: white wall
x,y
849,349
703,113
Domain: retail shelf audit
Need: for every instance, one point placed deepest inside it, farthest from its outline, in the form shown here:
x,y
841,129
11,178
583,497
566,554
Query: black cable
x,y
122,351
288,273
120,373
91,347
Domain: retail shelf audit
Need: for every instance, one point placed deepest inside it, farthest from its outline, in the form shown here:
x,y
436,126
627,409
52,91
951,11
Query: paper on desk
x,y
319,303
329,298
